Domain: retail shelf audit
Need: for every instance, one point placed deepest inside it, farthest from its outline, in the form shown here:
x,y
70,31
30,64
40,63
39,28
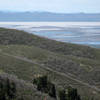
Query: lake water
x,y
86,33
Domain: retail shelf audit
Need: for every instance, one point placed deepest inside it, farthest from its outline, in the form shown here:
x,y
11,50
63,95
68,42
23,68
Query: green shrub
x,y
7,90
73,94
51,90
45,86
62,95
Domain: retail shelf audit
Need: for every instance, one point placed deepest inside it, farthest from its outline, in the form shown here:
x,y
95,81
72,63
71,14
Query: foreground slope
x,y
27,70
24,90
66,64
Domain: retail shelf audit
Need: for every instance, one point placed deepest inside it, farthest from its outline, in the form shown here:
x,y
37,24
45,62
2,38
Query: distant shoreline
x,y
84,33
52,23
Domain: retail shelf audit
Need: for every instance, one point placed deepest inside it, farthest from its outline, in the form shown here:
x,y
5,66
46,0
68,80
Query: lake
x,y
85,33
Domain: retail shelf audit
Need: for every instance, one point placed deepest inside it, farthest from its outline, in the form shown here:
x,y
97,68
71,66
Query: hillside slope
x,y
65,64
24,90
8,37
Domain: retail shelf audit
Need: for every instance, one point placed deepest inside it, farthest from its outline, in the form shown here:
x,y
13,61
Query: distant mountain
x,y
47,16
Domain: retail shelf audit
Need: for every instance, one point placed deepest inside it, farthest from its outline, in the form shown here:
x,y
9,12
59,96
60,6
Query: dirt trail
x,y
69,75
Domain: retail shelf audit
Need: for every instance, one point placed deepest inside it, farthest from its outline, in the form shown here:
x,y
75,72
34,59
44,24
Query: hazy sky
x,y
66,6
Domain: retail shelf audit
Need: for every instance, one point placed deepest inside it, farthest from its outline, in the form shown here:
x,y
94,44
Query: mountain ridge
x,y
48,16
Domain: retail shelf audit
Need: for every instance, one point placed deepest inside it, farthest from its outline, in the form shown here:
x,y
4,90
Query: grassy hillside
x,y
81,68
8,36
27,71
58,60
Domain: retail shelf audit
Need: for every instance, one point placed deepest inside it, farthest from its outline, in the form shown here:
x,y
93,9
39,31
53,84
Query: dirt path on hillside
x,y
69,75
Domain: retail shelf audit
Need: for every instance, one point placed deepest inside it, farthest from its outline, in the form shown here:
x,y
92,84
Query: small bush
x,y
62,95
45,86
71,94
51,90
7,90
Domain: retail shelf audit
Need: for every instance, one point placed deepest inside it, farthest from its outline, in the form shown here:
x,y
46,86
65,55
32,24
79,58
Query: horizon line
x,y
49,12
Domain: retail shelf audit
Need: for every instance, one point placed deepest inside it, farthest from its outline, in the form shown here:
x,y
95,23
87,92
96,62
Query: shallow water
x,y
86,33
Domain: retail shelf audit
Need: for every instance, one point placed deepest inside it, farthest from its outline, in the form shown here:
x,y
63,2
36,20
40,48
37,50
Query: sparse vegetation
x,y
7,90
44,85
79,62
48,87
11,36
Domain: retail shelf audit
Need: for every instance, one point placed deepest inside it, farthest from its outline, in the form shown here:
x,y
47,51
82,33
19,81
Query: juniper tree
x,y
2,91
62,95
73,94
51,90
11,89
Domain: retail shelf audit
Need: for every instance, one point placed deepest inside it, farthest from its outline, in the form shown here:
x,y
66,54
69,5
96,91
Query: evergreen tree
x,y
41,83
2,91
11,89
62,95
73,94
51,90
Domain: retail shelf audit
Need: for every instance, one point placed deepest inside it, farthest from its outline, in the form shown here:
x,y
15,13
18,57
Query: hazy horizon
x,y
57,6
3,11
